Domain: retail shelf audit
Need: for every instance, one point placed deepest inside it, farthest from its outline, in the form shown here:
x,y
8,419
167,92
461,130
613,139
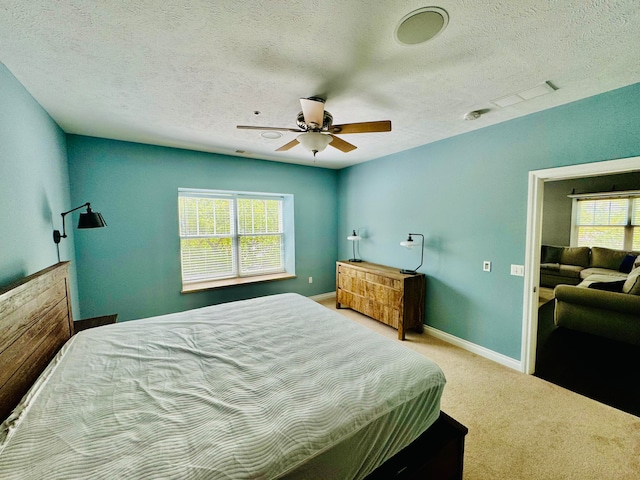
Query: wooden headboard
x,y
35,321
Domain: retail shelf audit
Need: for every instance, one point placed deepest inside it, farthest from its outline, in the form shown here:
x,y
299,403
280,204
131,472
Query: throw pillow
x,y
550,254
627,263
635,290
632,283
608,286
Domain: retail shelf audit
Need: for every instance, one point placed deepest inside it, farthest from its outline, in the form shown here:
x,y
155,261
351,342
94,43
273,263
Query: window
x,y
607,220
233,235
635,222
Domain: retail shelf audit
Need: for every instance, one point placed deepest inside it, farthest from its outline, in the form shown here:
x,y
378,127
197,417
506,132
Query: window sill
x,y
230,282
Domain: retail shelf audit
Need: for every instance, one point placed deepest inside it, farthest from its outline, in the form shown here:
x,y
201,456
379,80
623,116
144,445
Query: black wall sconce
x,y
88,219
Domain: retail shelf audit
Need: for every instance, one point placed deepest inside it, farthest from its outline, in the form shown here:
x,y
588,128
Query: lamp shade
x,y
91,219
88,219
314,141
354,236
408,243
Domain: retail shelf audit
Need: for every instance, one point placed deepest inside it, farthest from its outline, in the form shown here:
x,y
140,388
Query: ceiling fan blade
x,y
287,146
313,111
284,129
341,144
363,127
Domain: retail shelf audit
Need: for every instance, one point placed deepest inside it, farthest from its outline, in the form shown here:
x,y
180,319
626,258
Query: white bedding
x,y
265,388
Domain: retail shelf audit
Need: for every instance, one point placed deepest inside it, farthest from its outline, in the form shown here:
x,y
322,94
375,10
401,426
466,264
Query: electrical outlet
x,y
517,270
486,266
310,279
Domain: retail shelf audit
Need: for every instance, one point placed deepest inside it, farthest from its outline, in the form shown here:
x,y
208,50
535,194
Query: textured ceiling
x,y
185,73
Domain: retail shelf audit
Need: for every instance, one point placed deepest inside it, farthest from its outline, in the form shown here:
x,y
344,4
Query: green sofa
x,y
573,265
609,309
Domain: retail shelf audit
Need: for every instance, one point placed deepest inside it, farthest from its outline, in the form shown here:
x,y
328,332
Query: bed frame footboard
x,y
437,453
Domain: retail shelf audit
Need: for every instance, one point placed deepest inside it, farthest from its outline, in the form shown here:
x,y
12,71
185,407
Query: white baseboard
x,y
472,347
323,296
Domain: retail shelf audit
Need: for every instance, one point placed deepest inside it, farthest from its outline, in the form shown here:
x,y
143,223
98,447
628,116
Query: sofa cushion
x,y
550,254
602,278
552,276
632,284
613,274
550,267
607,258
576,256
571,271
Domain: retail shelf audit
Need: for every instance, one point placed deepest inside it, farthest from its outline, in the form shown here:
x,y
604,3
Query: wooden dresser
x,y
383,293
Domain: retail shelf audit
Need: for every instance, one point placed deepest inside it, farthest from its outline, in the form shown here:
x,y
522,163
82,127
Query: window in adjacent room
x,y
229,238
609,220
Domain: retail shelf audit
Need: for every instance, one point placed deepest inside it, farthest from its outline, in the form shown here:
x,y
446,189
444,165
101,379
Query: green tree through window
x,y
226,235
610,222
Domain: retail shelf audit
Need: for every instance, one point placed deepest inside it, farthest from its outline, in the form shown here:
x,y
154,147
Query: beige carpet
x,y
522,427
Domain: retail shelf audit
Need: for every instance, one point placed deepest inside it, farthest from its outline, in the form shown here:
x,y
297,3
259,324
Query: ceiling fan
x,y
316,128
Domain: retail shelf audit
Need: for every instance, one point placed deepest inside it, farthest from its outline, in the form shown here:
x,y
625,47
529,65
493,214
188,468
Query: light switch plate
x,y
486,266
517,270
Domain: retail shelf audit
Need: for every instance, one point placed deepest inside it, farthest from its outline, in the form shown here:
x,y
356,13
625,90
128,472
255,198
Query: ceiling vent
x,y
528,94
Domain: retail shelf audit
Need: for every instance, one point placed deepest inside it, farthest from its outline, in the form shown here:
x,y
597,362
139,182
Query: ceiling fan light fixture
x,y
316,129
314,141
421,25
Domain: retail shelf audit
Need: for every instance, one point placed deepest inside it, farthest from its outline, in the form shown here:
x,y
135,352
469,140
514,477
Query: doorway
x,y
535,200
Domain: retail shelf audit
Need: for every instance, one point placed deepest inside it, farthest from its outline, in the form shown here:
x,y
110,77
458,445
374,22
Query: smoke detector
x,y
476,114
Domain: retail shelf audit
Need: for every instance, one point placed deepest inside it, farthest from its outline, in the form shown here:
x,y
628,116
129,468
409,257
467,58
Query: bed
x,y
272,387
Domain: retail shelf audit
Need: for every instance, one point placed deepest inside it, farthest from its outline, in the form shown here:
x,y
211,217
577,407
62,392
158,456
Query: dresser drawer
x,y
354,302
383,313
381,280
383,295
352,284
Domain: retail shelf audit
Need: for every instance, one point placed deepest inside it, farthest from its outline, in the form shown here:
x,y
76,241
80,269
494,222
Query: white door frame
x,y
534,239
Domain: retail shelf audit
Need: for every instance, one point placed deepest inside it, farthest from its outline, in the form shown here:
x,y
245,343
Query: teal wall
x,y
34,185
132,267
468,196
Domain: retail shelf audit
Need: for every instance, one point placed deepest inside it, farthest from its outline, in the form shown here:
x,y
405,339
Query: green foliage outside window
x,y
609,222
229,237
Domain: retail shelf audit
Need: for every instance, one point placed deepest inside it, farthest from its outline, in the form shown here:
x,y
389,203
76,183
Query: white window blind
x,y
635,222
602,222
607,220
260,236
226,235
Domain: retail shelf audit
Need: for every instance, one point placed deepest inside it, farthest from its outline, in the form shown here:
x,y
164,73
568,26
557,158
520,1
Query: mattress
x,y
272,387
